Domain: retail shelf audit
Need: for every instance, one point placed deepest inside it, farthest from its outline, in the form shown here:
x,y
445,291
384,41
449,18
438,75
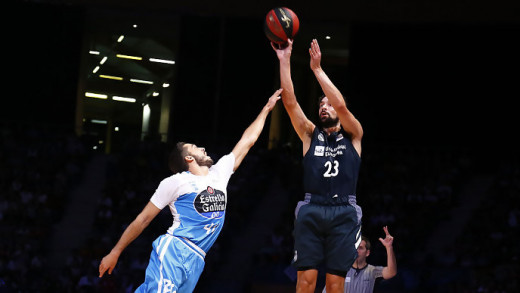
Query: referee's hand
x,y
389,239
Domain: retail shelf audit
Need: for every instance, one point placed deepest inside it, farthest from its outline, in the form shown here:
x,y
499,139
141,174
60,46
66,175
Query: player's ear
x,y
368,252
188,159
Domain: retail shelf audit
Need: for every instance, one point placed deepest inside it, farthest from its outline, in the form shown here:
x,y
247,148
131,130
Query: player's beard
x,y
204,161
329,122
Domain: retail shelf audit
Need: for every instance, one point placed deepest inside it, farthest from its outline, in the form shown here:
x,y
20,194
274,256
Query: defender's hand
x,y
107,263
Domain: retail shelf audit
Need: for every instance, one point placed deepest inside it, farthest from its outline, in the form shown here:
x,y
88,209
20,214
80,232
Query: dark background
x,y
441,79
434,85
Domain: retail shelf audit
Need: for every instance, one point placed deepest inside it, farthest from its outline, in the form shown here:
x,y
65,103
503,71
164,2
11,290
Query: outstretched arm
x,y
350,124
391,266
135,229
252,133
302,125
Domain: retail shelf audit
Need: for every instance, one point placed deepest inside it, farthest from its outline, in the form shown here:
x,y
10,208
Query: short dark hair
x,y
321,98
176,160
367,246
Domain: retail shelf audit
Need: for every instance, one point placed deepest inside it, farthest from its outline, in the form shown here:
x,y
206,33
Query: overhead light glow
x,y
93,52
103,60
96,96
155,94
95,69
327,37
97,121
110,77
165,61
135,25
141,81
165,85
129,57
123,99
120,39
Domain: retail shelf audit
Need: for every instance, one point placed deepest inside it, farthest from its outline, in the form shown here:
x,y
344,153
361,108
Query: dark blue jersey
x,y
331,165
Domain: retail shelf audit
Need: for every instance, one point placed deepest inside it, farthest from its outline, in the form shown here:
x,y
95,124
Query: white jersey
x,y
197,203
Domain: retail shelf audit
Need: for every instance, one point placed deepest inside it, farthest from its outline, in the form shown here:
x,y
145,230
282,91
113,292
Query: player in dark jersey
x,y
328,222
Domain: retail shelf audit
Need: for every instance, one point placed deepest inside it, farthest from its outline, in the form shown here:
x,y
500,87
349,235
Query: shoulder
x,y
230,156
372,267
226,159
226,162
317,134
343,134
376,271
174,179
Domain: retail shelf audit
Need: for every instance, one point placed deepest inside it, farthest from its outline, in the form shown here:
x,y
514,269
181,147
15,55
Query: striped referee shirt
x,y
362,280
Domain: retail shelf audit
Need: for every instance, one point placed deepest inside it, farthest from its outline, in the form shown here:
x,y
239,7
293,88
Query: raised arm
x,y
252,133
349,123
302,125
391,264
135,229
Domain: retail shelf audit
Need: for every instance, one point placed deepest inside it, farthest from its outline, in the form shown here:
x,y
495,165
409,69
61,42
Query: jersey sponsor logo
x,y
333,152
210,203
339,137
321,137
319,151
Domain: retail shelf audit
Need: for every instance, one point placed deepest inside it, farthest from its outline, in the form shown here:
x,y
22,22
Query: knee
x,y
306,282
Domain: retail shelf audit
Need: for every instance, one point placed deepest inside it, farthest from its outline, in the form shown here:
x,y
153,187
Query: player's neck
x,y
332,129
198,170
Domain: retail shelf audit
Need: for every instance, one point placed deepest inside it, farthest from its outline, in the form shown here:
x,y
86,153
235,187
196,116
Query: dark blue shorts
x,y
327,233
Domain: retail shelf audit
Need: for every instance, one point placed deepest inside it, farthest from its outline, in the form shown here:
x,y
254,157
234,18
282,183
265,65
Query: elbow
x,y
390,274
142,221
290,105
250,141
246,143
288,96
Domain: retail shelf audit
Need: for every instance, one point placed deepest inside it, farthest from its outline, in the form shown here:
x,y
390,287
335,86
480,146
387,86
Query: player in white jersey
x,y
362,276
196,195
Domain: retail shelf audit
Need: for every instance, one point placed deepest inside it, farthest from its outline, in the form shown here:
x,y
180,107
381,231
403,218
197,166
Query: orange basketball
x,y
281,24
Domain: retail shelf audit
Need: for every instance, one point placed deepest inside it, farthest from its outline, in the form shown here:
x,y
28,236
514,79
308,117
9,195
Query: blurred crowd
x,y
38,168
412,190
